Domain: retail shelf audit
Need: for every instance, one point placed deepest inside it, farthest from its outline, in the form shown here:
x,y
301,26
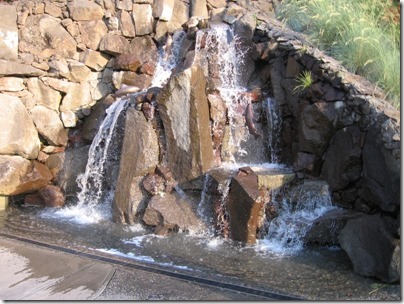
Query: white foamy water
x,y
286,232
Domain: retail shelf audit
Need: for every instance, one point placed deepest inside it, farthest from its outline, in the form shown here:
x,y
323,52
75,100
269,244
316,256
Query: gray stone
x,y
199,8
370,246
18,134
163,9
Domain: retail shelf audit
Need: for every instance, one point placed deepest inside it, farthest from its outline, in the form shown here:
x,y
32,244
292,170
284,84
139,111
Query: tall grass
x,y
363,34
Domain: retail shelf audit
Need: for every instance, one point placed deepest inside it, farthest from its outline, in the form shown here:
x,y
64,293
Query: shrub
x,y
363,34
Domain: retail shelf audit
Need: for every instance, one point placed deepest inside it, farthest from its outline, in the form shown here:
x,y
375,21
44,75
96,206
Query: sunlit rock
x,y
85,10
19,175
44,36
18,134
8,32
184,111
49,125
244,205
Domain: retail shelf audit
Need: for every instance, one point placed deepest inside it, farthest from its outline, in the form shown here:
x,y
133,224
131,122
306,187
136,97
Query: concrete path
x,y
29,272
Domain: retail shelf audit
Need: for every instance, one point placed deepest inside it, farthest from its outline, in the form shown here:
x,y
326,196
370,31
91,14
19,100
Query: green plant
x,y
363,34
304,81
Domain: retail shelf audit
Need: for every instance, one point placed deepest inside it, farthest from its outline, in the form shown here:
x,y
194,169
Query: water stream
x,y
313,273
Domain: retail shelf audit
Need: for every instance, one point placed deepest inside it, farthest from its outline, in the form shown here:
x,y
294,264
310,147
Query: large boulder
x,y
49,125
139,156
371,246
244,205
184,111
19,175
44,36
171,212
18,134
381,170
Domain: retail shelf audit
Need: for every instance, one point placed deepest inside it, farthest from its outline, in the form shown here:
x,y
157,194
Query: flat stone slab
x,y
272,178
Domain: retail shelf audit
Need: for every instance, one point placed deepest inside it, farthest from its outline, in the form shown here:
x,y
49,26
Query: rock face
x,y
185,114
140,154
371,247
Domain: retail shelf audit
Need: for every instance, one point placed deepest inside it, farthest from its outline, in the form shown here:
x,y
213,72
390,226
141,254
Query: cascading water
x,y
297,211
221,48
94,199
274,124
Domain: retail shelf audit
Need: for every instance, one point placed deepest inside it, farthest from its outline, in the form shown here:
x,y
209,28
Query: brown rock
x,y
95,60
143,17
52,196
8,32
128,62
154,184
92,32
114,44
127,24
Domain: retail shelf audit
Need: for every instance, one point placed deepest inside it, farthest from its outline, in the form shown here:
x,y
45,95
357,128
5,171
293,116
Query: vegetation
x,y
304,81
363,34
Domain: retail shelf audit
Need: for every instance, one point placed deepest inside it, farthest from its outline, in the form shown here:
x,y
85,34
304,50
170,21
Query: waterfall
x,y
221,49
274,129
91,181
94,198
296,212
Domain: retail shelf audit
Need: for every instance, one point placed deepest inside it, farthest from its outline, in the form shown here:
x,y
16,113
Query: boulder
x,y
184,111
127,24
43,94
325,229
163,9
370,246
9,68
114,44
49,125
145,49
65,168
8,32
52,196
95,60
143,17
44,36
317,127
91,32
381,172
18,134
77,97
19,175
171,212
128,62
81,10
11,84
245,203
343,160
139,156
